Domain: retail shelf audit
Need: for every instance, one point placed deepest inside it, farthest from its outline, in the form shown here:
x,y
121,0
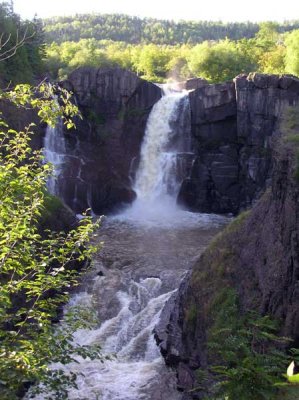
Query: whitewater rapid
x,y
147,250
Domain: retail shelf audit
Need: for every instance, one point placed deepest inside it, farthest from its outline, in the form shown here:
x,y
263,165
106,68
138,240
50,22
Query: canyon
x,y
233,158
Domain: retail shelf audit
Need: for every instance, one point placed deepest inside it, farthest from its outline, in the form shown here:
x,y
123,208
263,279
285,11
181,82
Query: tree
x,y
268,35
292,53
36,268
152,61
219,62
21,47
273,62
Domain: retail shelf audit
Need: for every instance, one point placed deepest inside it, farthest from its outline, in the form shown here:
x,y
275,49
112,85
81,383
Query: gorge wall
x,y
258,254
232,124
100,153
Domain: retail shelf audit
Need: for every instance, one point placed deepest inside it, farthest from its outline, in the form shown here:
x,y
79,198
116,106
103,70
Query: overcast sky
x,y
226,10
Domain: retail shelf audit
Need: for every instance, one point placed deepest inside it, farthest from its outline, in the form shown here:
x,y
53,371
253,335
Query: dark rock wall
x,y
213,183
19,118
233,126
115,105
260,102
258,255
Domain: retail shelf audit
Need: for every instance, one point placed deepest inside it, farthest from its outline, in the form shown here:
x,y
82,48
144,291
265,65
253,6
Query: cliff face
x,y
115,105
20,118
233,127
261,100
213,184
232,124
257,255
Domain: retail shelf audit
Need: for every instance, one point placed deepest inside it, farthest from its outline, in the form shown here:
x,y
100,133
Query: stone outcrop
x,y
261,100
115,105
213,183
19,118
233,127
194,83
257,255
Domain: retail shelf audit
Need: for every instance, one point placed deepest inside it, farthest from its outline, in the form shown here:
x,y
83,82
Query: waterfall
x,y
55,153
165,159
67,163
147,250
157,175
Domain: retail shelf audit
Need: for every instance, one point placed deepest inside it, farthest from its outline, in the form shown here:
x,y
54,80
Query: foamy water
x,y
148,248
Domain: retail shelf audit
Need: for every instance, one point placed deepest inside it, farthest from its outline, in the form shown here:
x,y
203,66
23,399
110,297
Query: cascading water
x,y
66,161
147,250
165,160
156,177
55,153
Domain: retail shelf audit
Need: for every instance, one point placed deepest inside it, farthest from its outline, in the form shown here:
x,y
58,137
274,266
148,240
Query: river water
x,y
147,250
137,270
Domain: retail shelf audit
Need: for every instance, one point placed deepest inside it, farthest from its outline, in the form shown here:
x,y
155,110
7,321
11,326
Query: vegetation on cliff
x,y
37,268
242,300
242,352
154,49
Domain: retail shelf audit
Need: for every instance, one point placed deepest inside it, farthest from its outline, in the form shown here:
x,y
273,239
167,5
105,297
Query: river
x,y
147,250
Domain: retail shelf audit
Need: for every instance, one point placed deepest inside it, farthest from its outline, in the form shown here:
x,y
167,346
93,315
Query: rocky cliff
x,y
257,255
233,126
19,118
115,105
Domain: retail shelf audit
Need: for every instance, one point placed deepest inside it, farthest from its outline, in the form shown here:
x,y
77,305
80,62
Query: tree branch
x,y
5,52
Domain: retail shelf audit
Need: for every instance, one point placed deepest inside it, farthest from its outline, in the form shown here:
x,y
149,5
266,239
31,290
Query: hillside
x,y
134,30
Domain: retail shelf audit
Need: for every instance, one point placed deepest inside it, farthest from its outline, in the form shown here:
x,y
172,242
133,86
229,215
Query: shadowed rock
x,y
115,105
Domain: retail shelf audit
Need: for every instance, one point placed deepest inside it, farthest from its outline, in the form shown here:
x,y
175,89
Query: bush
x,y
36,272
243,351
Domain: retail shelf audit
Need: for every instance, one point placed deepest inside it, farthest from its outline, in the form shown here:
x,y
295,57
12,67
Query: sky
x,y
225,10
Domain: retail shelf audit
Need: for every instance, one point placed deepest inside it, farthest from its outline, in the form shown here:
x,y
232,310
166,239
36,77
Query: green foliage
x,y
152,61
269,51
26,63
244,352
158,50
268,35
292,53
35,271
214,61
273,61
219,62
289,393
118,27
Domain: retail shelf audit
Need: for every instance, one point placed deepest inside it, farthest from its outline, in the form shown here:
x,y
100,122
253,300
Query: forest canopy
x,y
269,51
134,30
156,50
